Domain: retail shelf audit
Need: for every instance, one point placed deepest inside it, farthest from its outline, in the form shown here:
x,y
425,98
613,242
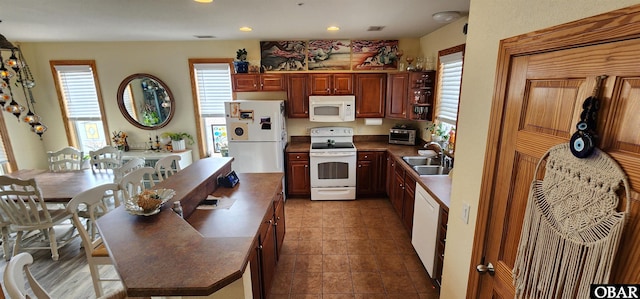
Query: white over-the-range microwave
x,y
332,108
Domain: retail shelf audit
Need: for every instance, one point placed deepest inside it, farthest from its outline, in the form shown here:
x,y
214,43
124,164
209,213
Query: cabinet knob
x,y
261,85
275,224
278,218
255,85
335,89
306,166
328,89
260,247
270,221
297,157
359,165
366,157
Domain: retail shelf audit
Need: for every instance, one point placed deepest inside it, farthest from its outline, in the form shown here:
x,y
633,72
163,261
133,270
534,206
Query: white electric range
x,y
333,160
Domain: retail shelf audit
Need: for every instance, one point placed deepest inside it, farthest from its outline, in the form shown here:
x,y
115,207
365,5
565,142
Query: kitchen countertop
x,y
438,186
165,255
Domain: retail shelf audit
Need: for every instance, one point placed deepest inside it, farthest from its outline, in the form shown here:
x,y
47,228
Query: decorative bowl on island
x,y
148,202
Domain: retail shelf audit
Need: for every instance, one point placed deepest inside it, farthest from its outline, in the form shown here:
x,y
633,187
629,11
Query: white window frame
x,y
207,116
72,122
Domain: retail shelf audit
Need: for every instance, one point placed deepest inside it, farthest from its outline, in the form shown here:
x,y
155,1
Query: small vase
x,y
126,145
242,67
178,145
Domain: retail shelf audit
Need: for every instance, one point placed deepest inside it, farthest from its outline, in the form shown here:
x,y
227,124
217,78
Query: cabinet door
x,y
342,84
397,86
398,191
370,94
272,82
442,238
256,277
268,259
424,82
408,202
297,96
298,175
391,164
320,84
280,224
245,82
364,178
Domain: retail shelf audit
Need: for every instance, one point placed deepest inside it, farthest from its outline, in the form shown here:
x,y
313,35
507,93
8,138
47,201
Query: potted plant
x,y
241,65
439,132
178,140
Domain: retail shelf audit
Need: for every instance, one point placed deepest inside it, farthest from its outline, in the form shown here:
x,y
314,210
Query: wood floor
x,y
333,249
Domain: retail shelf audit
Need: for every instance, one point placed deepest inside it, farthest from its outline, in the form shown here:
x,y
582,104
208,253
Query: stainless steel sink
x,y
419,160
424,170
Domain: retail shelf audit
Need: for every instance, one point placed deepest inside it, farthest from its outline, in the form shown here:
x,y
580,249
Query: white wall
x,y
489,22
117,60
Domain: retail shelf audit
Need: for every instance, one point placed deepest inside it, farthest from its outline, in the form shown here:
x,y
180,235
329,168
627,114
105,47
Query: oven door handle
x,y
331,155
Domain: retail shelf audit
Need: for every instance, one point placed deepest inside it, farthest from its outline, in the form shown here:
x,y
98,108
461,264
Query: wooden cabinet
x,y
401,191
280,222
331,84
408,202
258,82
298,175
397,86
410,95
442,238
264,258
297,96
370,94
370,173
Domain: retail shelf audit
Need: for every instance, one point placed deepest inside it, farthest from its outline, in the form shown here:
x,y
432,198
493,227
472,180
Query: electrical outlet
x,y
466,209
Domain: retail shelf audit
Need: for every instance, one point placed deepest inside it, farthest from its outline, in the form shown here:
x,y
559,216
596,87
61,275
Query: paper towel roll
x,y
373,121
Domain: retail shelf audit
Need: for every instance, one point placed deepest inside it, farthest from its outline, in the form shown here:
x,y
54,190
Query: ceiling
x,y
179,20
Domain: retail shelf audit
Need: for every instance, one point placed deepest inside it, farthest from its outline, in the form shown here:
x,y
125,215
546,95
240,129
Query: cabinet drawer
x,y
298,156
444,219
366,156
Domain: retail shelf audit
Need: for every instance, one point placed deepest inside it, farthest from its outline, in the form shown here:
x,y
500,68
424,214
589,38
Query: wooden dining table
x,y
63,186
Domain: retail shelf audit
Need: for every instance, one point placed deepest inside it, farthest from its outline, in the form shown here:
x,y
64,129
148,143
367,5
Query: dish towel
x,y
572,226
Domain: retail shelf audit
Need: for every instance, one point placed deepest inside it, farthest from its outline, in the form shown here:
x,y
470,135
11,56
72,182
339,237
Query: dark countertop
x,y
439,186
165,255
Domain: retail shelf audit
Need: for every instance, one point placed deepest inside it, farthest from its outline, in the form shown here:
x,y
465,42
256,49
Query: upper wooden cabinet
x,y
297,96
370,94
330,84
397,92
410,95
258,82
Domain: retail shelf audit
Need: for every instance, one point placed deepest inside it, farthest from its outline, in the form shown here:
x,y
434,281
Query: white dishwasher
x,y
425,227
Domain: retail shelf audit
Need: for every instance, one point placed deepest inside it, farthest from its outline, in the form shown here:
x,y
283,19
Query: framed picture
x,y
374,54
332,55
283,55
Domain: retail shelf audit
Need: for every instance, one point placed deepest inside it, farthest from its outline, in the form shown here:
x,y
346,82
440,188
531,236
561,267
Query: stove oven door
x,y
333,169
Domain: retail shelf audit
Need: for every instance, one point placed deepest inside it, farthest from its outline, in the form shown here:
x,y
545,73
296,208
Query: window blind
x,y
3,153
213,82
80,94
450,78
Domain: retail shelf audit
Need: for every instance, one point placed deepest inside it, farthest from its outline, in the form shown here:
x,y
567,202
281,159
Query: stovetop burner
x,y
336,145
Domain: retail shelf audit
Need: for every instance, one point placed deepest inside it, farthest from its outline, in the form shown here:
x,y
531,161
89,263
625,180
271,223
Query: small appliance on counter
x,y
402,135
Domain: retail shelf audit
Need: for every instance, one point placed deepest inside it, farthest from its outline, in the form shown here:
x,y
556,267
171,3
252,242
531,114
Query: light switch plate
x,y
466,208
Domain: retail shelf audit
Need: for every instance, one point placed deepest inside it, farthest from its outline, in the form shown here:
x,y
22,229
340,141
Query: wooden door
x,y
370,93
397,86
543,79
408,202
245,82
342,84
298,175
297,96
320,84
272,82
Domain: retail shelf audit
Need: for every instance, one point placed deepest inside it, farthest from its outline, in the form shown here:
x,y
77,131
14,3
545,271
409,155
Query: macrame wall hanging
x,y
572,226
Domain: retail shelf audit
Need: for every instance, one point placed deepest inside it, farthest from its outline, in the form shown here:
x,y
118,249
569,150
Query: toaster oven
x,y
402,136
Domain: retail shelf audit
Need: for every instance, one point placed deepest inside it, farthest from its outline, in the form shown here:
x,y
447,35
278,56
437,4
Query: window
x,y
211,86
449,79
81,104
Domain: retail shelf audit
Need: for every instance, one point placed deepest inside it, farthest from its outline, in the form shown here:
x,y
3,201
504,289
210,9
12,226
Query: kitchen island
x,y
208,252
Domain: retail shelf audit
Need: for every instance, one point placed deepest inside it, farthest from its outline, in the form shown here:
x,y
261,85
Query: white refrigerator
x,y
256,134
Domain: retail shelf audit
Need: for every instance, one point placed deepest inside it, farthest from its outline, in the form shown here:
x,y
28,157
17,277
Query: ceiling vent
x,y
204,36
375,28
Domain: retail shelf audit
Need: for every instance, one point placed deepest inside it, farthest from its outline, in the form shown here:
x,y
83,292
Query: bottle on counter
x,y
177,207
452,139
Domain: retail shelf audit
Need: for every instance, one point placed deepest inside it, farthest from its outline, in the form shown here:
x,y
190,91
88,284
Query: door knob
x,y
488,268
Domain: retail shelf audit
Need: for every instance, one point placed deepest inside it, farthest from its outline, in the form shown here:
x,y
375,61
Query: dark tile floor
x,y
348,249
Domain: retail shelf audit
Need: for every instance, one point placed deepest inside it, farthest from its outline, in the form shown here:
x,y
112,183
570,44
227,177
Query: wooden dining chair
x,y
107,157
91,203
131,165
14,283
167,166
6,238
136,181
66,159
23,205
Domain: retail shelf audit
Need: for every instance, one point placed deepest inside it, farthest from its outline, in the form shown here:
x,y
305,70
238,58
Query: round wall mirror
x,y
145,101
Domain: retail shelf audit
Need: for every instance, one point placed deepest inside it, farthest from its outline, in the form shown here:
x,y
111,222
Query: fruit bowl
x,y
148,202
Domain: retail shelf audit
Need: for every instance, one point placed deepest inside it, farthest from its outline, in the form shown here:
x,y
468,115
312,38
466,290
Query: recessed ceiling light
x,y
333,28
375,28
446,16
245,29
203,1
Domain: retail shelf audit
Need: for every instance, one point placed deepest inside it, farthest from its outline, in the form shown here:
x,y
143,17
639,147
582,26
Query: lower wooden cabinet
x,y
267,247
401,188
298,175
442,239
370,173
408,202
